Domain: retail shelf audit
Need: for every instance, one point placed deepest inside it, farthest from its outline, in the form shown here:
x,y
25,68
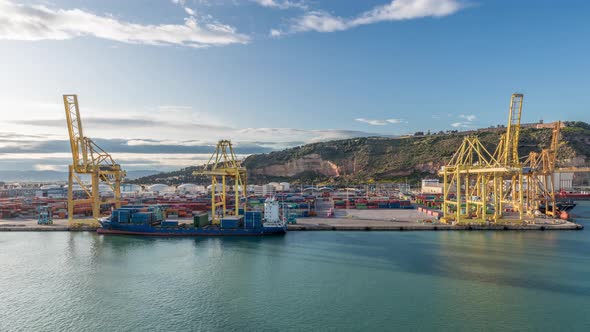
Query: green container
x,y
201,220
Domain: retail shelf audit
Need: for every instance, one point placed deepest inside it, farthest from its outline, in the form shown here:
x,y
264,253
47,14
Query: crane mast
x,y
510,141
89,159
224,165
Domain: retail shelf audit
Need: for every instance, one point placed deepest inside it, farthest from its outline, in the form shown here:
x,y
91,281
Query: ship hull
x,y
148,230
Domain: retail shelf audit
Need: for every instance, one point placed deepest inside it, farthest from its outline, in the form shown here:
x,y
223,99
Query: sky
x,y
160,81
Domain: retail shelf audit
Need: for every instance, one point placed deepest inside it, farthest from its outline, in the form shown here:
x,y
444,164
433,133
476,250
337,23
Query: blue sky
x,y
175,76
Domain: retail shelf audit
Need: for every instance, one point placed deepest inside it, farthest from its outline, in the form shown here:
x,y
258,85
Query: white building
x,y
265,190
432,186
563,181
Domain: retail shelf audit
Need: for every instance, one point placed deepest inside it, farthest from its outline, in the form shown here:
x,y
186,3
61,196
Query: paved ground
x,y
394,219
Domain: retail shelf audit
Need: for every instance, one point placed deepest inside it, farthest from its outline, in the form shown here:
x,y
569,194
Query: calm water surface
x,y
461,281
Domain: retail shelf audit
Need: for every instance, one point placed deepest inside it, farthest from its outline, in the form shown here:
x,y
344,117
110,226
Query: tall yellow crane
x,y
222,165
89,159
541,176
481,181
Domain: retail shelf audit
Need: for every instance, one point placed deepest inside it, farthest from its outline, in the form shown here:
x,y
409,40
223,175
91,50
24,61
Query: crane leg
x,y
70,193
95,196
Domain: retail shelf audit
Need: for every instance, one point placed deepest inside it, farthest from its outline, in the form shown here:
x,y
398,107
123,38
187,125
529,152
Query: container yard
x,y
365,210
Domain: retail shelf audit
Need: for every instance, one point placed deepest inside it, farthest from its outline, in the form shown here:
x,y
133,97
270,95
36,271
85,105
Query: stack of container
x,y
406,204
143,218
253,219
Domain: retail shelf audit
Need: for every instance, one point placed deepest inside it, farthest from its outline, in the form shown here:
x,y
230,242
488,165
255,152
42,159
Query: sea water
x,y
304,281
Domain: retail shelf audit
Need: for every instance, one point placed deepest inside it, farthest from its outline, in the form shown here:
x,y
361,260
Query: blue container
x,y
142,218
252,224
168,223
229,223
123,216
253,215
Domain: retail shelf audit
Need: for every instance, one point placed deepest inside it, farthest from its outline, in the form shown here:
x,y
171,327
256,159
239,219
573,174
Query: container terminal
x,y
480,190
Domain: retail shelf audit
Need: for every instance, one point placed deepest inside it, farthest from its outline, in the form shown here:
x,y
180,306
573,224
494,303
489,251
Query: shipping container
x,y
201,220
230,222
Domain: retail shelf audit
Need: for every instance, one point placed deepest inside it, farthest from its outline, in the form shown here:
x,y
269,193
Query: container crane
x,y
540,176
482,181
89,159
222,165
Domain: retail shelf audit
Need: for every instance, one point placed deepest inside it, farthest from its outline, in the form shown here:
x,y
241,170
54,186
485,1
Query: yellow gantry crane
x,y
540,176
483,184
222,165
89,159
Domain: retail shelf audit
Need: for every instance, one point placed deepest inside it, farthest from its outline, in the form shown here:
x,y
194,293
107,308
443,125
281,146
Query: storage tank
x,y
188,189
218,188
50,186
160,188
130,188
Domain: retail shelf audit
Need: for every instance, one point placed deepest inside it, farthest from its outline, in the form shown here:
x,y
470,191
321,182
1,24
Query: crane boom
x,y
75,130
89,158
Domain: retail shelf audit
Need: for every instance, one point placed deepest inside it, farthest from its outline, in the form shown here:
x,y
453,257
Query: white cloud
x,y
461,125
189,11
179,2
378,122
319,21
276,33
397,10
468,117
284,4
38,22
44,167
466,123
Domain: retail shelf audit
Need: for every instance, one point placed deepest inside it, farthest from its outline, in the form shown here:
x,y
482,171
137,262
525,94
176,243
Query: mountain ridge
x,y
387,159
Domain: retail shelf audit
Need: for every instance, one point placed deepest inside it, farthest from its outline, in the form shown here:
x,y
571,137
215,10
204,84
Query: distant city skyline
x,y
159,84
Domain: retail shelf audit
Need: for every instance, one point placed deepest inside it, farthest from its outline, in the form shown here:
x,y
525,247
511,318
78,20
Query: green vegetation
x,y
381,159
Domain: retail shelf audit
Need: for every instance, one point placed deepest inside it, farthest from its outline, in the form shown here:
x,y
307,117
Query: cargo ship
x,y
149,221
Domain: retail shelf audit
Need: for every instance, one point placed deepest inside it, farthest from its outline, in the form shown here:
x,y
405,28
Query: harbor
x,y
294,165
345,220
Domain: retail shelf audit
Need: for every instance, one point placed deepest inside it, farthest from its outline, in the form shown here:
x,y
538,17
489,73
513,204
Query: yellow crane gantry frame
x,y
540,176
481,180
88,158
224,164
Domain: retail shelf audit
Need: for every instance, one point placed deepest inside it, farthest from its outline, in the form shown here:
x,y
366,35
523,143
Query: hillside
x,y
376,159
